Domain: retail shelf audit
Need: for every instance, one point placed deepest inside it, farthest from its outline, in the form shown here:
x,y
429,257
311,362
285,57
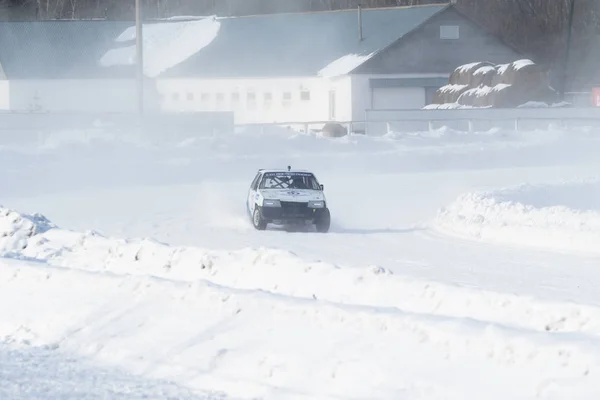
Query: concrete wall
x,y
423,51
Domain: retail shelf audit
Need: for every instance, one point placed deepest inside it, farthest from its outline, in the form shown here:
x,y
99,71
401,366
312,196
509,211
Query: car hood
x,y
299,195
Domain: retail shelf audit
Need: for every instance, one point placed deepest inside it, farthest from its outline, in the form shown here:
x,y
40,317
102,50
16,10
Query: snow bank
x,y
562,216
259,345
265,323
284,273
16,229
166,44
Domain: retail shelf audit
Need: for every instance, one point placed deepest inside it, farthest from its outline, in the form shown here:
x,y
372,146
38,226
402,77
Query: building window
x,y
251,100
305,95
235,97
175,96
220,100
449,32
268,98
190,96
205,97
287,99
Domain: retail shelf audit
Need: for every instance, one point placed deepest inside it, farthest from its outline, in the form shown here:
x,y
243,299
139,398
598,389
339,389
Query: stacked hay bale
x,y
484,84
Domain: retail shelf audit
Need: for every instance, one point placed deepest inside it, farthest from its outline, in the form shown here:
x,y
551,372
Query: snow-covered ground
x,y
28,373
147,263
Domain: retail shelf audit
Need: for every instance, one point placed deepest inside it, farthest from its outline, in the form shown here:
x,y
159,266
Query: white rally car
x,y
287,197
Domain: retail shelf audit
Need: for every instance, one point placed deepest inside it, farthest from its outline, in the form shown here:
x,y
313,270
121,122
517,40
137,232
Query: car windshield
x,y
283,180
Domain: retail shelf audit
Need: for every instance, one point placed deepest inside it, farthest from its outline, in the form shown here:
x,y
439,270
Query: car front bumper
x,y
291,211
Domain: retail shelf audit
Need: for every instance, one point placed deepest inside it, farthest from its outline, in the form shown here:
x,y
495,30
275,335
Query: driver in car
x,y
297,183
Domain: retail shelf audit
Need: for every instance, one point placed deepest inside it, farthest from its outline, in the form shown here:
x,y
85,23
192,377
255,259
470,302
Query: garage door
x,y
397,98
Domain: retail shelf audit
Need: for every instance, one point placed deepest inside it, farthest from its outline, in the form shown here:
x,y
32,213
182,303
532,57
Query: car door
x,y
252,194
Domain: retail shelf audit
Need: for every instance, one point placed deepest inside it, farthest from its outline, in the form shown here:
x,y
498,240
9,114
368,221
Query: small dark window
x,y
175,96
305,95
449,32
190,96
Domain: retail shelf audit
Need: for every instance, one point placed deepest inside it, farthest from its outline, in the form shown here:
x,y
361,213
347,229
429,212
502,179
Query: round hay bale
x,y
463,74
449,94
468,98
508,96
476,97
526,73
500,75
334,130
483,97
483,76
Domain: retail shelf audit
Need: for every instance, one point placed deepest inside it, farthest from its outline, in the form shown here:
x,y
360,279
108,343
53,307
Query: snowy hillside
x,y
431,284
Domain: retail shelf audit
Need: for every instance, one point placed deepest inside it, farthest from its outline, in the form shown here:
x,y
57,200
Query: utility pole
x,y
139,40
567,52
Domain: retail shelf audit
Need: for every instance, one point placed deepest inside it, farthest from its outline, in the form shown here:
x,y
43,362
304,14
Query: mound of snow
x,y
560,217
16,229
254,344
284,273
256,322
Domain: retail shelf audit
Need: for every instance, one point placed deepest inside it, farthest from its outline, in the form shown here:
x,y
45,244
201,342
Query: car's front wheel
x,y
323,221
257,219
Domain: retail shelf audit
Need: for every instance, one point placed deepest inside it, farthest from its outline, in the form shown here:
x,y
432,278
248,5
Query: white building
x,y
303,67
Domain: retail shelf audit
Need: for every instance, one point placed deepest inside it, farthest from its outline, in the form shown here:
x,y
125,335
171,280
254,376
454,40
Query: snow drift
x,y
256,322
16,229
563,216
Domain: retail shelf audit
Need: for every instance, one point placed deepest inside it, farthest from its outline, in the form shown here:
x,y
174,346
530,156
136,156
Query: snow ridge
x,y
563,217
255,322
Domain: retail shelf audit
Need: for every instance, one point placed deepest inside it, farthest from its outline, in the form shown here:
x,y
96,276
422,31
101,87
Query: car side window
x,y
255,182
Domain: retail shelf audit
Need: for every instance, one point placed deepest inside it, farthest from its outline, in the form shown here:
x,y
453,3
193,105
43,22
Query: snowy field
x,y
458,266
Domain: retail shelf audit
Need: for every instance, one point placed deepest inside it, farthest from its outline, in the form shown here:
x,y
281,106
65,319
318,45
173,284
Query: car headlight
x,y
271,203
316,204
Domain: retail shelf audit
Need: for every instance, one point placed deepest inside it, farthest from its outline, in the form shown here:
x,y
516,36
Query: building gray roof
x,y
299,44
57,49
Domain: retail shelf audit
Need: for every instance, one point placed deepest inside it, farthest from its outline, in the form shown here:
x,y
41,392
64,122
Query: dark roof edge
x,y
400,39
